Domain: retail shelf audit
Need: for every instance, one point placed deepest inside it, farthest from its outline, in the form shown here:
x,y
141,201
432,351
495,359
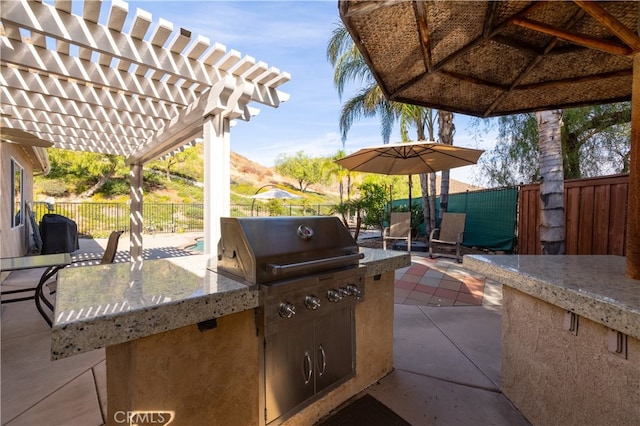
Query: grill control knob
x,y
344,292
334,296
312,302
286,310
354,290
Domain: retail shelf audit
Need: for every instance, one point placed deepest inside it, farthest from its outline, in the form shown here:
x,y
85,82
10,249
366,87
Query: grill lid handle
x,y
301,266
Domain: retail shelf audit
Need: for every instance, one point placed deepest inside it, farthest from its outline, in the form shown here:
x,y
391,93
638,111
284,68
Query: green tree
x,y
346,209
369,101
374,201
187,163
304,169
340,173
596,136
552,229
89,171
595,141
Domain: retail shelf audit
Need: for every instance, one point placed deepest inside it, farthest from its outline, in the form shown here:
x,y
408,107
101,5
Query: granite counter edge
x,y
609,314
73,338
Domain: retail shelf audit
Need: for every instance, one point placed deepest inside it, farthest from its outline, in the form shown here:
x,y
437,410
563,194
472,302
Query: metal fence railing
x,y
97,219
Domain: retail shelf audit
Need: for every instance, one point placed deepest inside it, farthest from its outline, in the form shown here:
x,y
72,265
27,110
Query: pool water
x,y
198,246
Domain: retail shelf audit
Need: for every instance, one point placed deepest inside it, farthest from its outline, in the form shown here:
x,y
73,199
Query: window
x,y
17,185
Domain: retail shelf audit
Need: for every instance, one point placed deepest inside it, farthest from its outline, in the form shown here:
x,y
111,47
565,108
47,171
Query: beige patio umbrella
x,y
491,58
272,194
409,159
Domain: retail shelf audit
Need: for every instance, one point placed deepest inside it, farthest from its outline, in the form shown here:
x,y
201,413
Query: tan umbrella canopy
x,y
490,58
275,194
272,194
409,159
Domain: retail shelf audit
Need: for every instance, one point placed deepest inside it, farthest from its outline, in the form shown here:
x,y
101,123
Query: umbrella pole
x,y
409,195
410,217
633,220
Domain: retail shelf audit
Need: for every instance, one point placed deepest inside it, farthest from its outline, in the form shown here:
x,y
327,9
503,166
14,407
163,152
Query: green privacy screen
x,y
491,216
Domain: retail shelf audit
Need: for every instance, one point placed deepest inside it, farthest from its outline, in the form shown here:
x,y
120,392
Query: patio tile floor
x,y
446,354
443,282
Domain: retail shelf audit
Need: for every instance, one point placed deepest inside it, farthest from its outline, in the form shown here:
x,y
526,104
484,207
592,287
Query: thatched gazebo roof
x,y
496,58
490,58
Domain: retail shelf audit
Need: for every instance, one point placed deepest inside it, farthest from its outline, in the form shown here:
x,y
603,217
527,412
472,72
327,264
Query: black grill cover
x,y
59,234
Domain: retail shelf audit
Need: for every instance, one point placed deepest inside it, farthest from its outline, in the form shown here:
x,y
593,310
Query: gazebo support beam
x,y
135,212
217,177
633,218
625,34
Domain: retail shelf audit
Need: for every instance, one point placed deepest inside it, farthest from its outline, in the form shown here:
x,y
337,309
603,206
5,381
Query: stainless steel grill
x,y
310,281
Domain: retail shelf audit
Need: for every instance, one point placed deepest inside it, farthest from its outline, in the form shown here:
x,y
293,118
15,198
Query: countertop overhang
x,y
591,286
103,305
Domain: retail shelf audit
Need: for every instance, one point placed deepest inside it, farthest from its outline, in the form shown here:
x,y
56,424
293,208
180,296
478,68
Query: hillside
x,y
245,171
247,177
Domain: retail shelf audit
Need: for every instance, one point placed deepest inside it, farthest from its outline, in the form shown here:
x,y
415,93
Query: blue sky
x,y
292,36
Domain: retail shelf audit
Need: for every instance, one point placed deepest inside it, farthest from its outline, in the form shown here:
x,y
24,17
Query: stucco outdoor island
x,y
570,337
181,338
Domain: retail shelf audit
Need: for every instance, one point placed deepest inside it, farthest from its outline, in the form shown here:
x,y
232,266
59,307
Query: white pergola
x,y
86,83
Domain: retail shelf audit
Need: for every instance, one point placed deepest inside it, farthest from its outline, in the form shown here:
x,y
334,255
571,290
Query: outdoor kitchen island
x,y
182,342
570,337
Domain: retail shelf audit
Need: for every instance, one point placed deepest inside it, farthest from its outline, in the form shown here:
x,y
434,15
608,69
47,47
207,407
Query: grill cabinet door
x,y
289,368
334,348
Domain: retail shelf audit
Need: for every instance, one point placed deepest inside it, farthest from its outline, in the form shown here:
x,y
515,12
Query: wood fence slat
x,y
528,224
595,214
572,219
601,226
618,218
535,208
585,228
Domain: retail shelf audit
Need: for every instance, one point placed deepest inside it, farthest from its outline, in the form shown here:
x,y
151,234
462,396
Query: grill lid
x,y
262,250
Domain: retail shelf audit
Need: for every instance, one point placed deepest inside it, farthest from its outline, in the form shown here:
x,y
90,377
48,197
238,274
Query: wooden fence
x,y
595,213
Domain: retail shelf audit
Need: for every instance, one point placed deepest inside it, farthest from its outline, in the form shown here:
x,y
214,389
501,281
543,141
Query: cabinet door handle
x,y
308,369
322,360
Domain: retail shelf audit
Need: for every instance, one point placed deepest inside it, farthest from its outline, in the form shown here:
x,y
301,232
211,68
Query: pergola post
x,y
633,217
217,177
135,212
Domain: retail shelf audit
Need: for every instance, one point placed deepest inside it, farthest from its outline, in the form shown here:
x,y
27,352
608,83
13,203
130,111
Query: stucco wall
x,y
556,377
13,241
211,377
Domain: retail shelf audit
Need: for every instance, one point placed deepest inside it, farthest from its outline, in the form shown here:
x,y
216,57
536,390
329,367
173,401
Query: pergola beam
x,y
142,94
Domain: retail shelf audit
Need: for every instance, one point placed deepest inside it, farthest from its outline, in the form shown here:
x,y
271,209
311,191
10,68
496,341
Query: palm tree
x,y
369,101
422,118
552,228
340,174
445,133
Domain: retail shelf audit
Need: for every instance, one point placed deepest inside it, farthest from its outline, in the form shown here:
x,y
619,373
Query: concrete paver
x,y
446,350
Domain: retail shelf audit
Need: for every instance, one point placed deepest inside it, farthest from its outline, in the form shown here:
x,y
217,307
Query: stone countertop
x,y
379,261
103,305
591,286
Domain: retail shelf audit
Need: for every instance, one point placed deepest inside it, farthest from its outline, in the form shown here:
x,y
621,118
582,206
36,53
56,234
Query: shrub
x,y
53,187
114,187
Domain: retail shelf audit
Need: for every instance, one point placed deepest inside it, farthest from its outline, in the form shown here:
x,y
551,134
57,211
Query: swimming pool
x,y
198,246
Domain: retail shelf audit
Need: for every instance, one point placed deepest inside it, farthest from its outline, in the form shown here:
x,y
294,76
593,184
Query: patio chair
x,y
108,257
399,229
449,235
35,230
